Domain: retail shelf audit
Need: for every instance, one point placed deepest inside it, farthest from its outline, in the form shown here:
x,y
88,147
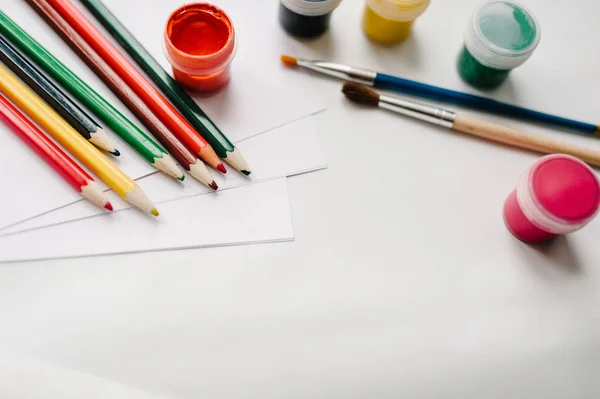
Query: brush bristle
x,y
361,94
288,60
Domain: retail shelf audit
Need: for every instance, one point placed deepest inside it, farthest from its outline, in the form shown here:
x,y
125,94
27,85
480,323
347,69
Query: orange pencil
x,y
159,105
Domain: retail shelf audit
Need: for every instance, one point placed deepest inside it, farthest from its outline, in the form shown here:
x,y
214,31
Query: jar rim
x,y
499,49
194,63
311,8
536,212
399,10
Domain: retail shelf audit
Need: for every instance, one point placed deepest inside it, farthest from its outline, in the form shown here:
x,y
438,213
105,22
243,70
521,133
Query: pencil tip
x,y
108,206
182,178
115,152
213,185
221,168
154,212
246,172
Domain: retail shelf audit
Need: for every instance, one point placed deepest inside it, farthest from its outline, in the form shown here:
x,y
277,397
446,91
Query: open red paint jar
x,y
200,44
559,194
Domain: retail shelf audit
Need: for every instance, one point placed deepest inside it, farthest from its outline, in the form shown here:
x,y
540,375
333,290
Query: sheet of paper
x,y
285,151
251,214
29,378
255,101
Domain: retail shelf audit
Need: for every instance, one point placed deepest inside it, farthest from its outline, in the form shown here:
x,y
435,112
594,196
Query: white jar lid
x,y
399,10
502,34
311,8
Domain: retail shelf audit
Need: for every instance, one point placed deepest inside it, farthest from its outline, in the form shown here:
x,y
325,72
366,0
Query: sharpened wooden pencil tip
x,y
289,60
108,206
154,212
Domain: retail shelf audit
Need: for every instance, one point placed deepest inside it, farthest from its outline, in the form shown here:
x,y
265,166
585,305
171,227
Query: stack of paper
x,y
265,110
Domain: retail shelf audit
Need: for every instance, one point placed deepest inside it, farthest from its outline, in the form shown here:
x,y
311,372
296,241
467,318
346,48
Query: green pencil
x,y
170,88
129,132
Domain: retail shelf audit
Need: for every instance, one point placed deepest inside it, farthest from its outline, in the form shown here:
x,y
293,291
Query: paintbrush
x,y
417,89
467,124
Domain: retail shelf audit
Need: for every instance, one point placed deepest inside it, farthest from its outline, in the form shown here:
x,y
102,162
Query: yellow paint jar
x,y
390,21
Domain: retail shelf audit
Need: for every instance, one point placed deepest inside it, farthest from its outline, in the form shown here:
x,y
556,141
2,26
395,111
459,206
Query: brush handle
x,y
480,103
521,139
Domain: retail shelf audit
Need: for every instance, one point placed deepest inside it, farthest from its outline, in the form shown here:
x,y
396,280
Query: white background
x,y
402,281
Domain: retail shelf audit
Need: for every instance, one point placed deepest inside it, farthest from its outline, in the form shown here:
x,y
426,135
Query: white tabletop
x,y
402,281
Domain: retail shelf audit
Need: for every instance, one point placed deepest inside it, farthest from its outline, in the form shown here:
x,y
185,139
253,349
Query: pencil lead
x,y
154,212
221,168
182,178
108,206
246,172
213,185
116,152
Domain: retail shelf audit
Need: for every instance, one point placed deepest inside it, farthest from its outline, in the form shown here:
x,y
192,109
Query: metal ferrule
x,y
362,76
427,113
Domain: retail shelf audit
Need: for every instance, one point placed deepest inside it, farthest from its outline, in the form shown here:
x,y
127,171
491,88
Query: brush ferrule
x,y
340,71
438,116
417,115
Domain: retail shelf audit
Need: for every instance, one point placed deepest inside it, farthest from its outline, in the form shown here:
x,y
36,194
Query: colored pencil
x,y
112,118
72,173
169,87
68,137
417,89
467,124
176,148
71,112
159,105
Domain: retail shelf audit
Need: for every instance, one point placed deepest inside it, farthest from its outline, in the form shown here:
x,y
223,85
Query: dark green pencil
x,y
170,88
55,97
129,132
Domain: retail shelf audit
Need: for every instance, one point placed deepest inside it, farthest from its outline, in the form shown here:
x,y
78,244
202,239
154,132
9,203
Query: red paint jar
x,y
200,44
559,194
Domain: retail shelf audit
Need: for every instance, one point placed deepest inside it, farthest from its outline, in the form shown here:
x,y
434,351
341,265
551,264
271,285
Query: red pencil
x,y
52,154
159,105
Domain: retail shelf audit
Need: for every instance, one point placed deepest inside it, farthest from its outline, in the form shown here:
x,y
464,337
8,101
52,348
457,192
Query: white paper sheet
x,y
255,101
251,214
285,151
29,378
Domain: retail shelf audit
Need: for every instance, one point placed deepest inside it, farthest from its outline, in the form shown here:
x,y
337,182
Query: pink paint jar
x,y
200,44
559,194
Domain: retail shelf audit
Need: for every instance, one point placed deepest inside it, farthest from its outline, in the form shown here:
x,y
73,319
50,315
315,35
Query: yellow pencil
x,y
68,137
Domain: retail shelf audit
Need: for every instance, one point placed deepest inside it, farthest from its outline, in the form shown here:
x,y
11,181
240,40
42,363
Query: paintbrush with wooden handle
x,y
468,124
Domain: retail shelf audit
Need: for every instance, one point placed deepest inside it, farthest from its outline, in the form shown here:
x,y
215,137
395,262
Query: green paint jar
x,y
501,36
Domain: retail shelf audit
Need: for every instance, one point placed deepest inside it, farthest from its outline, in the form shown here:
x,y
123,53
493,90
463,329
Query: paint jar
x,y
559,194
306,18
501,36
390,21
200,44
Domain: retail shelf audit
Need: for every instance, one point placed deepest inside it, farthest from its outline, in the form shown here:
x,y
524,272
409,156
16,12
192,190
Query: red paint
x,y
559,194
200,45
43,146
